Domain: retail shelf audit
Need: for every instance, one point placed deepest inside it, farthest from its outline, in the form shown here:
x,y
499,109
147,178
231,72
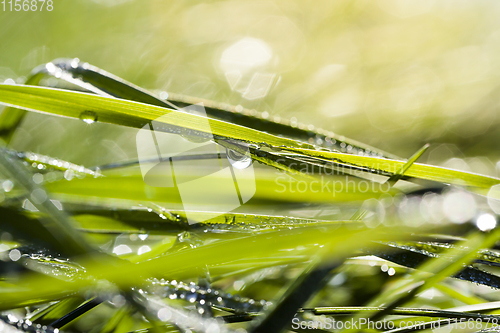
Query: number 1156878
x,y
26,5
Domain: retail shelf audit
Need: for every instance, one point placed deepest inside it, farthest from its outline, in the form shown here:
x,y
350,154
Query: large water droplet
x,y
88,117
238,160
75,62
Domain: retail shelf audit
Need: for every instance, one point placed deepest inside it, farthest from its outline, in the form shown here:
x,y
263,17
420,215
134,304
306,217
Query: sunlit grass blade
x,y
401,172
269,189
128,113
103,83
10,117
479,183
229,224
433,313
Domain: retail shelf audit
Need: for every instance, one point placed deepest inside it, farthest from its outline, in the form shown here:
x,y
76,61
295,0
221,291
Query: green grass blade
x,y
103,83
10,117
401,172
128,113
58,223
479,183
183,264
433,271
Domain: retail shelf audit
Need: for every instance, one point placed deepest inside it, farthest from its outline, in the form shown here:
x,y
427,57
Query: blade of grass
x,y
128,113
408,258
479,183
181,265
361,212
404,168
79,311
433,313
59,225
313,279
448,264
103,83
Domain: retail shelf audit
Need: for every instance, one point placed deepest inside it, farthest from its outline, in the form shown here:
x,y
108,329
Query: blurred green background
x,y
392,73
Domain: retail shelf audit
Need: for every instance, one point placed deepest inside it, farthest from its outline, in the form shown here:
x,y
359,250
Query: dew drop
x,y
88,117
7,185
75,62
164,95
15,255
191,298
38,196
164,314
51,68
238,160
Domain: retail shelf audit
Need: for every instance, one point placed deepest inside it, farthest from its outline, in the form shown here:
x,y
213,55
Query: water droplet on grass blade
x,y
75,62
238,160
50,67
88,117
15,255
191,298
7,185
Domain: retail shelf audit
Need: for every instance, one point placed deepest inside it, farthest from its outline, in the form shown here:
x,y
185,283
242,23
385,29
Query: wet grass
x,y
93,248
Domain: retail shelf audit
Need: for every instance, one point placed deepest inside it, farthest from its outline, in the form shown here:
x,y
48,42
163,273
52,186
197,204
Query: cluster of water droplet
x,y
61,267
163,213
192,293
10,324
433,250
46,163
254,223
317,136
45,262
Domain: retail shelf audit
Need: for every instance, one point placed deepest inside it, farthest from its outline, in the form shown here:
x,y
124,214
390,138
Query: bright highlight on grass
x,y
486,222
